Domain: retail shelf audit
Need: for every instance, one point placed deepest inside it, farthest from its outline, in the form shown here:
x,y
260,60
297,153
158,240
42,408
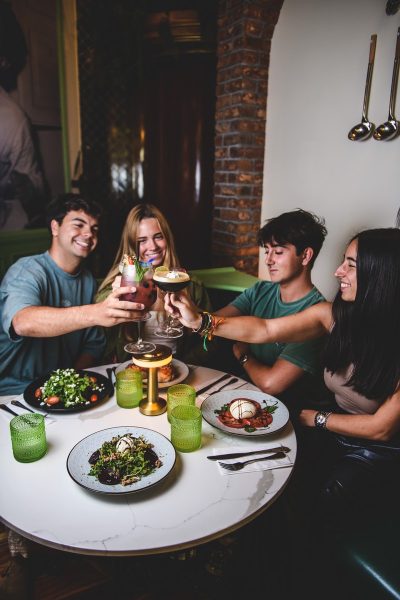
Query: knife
x,y
210,385
238,454
110,373
7,409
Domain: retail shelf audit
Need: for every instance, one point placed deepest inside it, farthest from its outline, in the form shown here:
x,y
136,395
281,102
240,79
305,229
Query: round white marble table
x,y
193,505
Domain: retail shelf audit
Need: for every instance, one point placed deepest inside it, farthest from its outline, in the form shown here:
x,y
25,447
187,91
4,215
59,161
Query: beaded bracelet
x,y
209,324
205,322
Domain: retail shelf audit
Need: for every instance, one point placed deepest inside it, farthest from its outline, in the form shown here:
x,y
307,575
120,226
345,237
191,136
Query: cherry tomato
x,y
94,398
52,400
38,393
93,379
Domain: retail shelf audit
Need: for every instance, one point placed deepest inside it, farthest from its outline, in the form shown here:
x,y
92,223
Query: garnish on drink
x,y
171,280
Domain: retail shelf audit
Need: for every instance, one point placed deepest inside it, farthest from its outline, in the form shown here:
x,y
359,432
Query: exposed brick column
x,y
245,29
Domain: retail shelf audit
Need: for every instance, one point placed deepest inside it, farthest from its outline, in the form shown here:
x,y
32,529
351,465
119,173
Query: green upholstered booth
x,y
224,283
15,244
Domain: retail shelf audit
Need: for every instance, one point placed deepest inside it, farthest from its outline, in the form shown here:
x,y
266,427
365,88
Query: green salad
x,y
69,388
123,460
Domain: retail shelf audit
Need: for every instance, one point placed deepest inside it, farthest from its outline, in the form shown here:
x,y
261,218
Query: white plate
x,y
181,370
78,460
216,401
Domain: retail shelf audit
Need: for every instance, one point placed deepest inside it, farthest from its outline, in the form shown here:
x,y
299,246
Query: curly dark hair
x,y
67,202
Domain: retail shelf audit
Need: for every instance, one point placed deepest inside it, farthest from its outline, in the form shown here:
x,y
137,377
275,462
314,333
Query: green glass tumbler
x,y
28,437
186,428
128,388
180,394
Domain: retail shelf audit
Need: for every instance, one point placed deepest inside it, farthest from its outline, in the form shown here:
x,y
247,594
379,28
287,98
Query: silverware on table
x,y
18,403
237,466
110,372
230,382
210,385
239,454
8,409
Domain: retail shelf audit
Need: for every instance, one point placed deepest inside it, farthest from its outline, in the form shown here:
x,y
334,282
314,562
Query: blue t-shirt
x,y
38,281
264,300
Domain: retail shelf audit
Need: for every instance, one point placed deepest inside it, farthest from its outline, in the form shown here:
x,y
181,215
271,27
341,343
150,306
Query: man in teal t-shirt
x,y
47,319
292,242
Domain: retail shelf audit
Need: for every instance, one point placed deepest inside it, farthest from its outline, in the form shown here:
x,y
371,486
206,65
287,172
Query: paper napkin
x,y
261,465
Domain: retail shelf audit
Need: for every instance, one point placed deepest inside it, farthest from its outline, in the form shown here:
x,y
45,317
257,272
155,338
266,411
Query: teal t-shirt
x,y
38,281
263,300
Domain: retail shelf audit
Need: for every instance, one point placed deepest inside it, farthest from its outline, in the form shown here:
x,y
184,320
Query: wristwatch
x,y
321,418
243,358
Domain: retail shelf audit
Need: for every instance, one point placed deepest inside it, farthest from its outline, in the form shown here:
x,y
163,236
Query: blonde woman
x,y
147,234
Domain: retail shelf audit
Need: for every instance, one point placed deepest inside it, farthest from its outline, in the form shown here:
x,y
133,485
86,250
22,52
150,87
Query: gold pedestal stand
x,y
152,405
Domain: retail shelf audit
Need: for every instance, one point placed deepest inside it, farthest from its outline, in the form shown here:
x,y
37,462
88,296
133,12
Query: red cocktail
x,y
146,292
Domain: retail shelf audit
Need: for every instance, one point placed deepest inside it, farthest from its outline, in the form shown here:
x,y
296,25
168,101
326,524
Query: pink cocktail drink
x,y
146,292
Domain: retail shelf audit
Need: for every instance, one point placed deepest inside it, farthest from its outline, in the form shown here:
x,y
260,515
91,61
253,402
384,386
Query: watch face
x,y
320,420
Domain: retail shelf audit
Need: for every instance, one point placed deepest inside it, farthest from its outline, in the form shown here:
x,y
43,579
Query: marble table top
x,y
193,505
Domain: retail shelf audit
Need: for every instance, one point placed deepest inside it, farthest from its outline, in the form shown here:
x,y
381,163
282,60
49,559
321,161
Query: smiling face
x,y
151,242
284,265
74,239
347,273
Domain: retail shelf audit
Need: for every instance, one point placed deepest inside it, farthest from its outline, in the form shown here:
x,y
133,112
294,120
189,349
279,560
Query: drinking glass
x,y
170,328
180,394
146,294
28,437
186,428
165,280
128,388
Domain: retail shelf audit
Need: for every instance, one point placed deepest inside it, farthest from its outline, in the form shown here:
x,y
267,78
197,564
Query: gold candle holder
x,y
152,405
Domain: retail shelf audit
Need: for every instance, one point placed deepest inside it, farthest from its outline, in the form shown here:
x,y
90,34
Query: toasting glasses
x,y
146,293
170,280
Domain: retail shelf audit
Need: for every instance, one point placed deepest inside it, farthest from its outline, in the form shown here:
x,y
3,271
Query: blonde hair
x,y
129,242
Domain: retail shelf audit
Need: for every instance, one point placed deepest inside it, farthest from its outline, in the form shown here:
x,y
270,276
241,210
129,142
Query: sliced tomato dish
x,y
262,417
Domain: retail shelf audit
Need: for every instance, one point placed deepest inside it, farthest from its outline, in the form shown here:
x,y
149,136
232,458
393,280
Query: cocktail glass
x,y
171,280
146,294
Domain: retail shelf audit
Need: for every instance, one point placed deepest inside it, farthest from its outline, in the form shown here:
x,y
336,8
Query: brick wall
x,y
245,29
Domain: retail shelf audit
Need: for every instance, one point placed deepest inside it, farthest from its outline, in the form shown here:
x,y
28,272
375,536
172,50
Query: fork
x,y
237,466
18,403
230,382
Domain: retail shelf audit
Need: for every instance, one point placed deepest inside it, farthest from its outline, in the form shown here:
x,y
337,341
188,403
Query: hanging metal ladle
x,y
362,131
391,128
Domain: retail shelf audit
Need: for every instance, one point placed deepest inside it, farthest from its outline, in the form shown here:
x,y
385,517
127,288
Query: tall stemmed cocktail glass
x,y
170,280
142,279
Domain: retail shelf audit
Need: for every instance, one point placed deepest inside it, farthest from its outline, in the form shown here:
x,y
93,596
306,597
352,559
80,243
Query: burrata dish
x,y
243,413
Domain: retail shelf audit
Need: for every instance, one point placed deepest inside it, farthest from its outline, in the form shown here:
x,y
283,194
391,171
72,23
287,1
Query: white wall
x,y
318,66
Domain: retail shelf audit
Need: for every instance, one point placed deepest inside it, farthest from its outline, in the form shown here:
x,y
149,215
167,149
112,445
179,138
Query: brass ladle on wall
x,y
390,129
362,131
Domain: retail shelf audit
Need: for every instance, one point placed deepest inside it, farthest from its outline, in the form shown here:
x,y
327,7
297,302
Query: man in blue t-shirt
x,y
292,242
47,319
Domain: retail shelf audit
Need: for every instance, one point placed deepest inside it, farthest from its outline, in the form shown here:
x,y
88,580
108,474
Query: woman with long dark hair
x,y
359,439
